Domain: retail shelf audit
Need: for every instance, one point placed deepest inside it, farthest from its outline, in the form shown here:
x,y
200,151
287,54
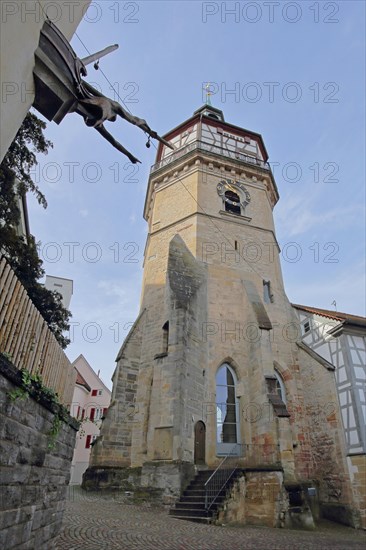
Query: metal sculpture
x,y
59,88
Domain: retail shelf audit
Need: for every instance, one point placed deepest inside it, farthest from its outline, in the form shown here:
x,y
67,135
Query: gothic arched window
x,y
227,410
280,387
277,394
276,386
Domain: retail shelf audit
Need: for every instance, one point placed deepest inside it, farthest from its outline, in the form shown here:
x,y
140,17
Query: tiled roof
x,y
337,315
80,380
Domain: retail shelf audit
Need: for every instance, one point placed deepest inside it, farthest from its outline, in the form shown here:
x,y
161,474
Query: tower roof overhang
x,y
199,114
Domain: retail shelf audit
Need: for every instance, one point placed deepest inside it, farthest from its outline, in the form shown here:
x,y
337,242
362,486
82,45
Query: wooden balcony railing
x,y
210,148
28,342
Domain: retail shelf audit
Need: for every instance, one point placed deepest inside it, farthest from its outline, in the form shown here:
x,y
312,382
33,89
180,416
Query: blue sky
x,y
296,72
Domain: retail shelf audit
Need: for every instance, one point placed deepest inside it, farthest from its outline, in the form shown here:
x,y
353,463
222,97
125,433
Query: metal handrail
x,y
241,455
209,147
217,481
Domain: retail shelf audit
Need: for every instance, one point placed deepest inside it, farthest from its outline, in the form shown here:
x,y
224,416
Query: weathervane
x,y
208,93
59,88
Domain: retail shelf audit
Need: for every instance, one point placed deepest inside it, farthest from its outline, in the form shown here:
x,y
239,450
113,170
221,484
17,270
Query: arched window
x,y
276,386
232,202
227,410
277,394
280,387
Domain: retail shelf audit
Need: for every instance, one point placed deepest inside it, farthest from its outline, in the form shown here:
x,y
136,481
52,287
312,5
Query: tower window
x,y
165,337
212,115
267,293
232,202
307,327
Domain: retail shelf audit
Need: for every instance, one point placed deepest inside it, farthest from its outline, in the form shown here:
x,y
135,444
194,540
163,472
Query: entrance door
x,y
199,443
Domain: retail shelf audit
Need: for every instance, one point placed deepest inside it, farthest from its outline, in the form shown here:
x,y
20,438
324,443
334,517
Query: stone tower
x,y
213,365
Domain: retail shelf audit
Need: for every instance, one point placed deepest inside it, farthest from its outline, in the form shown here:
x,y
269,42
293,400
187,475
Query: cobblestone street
x,y
94,522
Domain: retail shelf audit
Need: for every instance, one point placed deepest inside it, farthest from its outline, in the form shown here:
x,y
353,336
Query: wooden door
x,y
199,443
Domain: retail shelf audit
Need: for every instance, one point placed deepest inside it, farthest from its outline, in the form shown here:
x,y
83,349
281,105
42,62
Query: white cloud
x,y
300,218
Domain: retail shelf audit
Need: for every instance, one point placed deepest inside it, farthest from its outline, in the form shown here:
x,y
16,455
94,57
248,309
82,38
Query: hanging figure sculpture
x,y
59,89
101,108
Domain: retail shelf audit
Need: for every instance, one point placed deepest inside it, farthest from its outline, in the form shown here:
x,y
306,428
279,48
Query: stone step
x,y
204,475
198,498
191,512
196,519
190,505
200,492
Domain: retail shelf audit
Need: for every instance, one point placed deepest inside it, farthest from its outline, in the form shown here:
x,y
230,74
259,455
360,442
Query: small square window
x,y
100,392
94,393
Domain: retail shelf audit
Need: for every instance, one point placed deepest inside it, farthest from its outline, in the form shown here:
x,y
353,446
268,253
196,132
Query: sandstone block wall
x,y
357,468
33,477
256,498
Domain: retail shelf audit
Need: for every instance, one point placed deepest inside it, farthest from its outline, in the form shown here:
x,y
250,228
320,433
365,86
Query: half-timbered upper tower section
x,y
239,154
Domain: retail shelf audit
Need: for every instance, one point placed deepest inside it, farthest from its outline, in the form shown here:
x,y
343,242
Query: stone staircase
x,y
191,505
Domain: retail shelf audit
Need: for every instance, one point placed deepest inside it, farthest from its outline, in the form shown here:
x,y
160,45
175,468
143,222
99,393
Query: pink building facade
x,y
90,403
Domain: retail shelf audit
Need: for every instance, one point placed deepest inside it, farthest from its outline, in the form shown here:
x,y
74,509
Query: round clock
x,y
229,190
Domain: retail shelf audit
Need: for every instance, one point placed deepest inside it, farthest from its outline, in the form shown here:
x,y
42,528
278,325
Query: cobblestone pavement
x,y
94,522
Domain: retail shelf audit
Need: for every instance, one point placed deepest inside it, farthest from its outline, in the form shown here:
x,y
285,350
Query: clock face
x,y
229,190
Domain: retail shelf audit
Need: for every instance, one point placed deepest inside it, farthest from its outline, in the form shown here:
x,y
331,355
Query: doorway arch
x,y
200,443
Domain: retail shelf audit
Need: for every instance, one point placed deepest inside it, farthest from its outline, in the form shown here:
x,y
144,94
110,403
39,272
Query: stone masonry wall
x,y
357,468
325,438
256,498
33,477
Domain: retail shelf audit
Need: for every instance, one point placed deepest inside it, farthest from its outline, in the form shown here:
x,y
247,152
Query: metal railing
x,y
219,479
239,456
208,147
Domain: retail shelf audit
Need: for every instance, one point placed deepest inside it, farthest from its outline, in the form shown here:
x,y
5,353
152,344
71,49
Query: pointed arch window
x,y
280,387
277,394
227,411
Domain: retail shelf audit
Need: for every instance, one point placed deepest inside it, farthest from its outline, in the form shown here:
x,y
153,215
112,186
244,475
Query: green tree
x,y
21,253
